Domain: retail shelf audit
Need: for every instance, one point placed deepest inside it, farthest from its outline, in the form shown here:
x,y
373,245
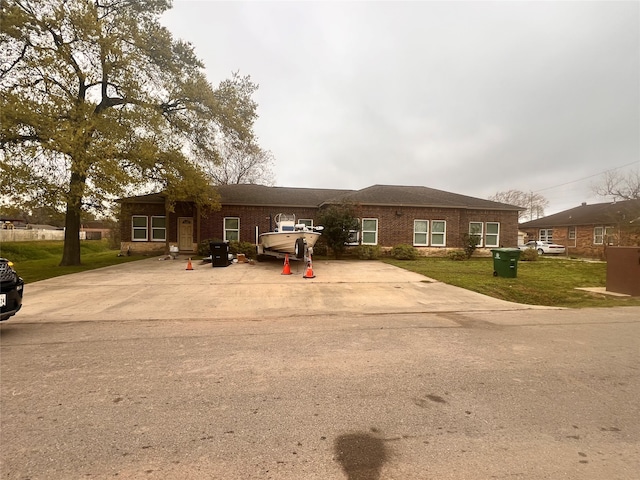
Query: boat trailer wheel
x,y
299,247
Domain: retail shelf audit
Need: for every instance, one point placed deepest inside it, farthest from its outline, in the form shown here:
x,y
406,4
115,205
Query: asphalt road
x,y
364,372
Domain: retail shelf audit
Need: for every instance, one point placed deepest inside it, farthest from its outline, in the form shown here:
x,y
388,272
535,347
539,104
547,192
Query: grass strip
x,y
40,260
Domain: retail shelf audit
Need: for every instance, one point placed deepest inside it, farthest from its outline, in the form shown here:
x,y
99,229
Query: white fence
x,y
23,235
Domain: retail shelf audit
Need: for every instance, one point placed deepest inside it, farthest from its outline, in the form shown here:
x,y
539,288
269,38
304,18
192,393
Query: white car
x,y
543,248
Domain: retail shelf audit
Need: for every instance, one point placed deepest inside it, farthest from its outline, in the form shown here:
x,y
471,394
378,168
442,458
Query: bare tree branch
x,y
619,185
533,204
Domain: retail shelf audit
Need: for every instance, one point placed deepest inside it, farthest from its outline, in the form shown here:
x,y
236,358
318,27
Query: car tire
x,y
540,251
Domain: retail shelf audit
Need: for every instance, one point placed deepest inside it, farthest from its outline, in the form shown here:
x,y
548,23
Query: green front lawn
x,y
547,281
40,260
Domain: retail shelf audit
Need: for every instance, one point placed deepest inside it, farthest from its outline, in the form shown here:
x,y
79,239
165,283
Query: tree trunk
x,y
71,249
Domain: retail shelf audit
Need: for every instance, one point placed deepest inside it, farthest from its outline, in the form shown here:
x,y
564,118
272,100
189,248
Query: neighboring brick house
x,y
431,220
95,230
587,230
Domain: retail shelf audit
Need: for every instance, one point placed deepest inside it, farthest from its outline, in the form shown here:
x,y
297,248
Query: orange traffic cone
x,y
189,266
309,271
287,268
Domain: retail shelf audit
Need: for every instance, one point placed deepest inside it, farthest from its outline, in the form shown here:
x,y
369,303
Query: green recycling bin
x,y
505,262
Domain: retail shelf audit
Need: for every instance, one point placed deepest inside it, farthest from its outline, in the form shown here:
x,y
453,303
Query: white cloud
x,y
442,94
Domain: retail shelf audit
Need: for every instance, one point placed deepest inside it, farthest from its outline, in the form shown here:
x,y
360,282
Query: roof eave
x,y
425,205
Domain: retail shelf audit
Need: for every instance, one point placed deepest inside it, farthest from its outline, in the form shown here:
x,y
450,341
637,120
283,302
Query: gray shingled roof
x,y
380,195
276,196
398,195
595,214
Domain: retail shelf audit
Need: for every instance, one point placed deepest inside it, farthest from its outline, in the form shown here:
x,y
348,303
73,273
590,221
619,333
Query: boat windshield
x,y
285,217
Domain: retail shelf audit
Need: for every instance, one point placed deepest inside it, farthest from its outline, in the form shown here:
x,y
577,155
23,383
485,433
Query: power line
x,y
585,178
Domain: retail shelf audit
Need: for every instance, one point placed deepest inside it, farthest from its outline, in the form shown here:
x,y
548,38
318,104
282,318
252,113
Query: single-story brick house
x,y
95,230
431,220
587,230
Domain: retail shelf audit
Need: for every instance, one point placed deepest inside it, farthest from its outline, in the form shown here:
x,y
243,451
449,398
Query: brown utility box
x,y
623,270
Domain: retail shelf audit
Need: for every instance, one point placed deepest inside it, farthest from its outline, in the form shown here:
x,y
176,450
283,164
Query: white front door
x,y
185,233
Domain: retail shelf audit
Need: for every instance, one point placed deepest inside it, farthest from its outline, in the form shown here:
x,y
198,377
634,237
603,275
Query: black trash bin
x,y
219,254
505,262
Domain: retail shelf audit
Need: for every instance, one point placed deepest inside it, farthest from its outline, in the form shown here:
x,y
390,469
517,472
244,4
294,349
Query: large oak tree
x,y
98,100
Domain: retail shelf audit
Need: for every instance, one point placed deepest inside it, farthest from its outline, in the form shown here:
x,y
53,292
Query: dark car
x,y
11,288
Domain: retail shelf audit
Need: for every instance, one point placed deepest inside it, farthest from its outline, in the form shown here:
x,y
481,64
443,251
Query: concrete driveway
x,y
164,289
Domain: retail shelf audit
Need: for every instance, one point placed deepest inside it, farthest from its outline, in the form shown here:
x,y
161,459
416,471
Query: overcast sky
x,y
467,97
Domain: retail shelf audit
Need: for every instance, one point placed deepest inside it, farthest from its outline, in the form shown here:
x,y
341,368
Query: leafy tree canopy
x,y
98,101
338,222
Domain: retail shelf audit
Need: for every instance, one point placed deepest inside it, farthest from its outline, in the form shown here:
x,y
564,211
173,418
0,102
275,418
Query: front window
x,y
139,228
231,229
475,230
306,222
610,235
546,235
421,232
604,235
158,229
598,235
493,234
438,233
571,235
354,237
369,231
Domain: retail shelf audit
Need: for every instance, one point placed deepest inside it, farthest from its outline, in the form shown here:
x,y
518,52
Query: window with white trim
x,y
306,221
598,235
604,234
369,231
492,237
571,236
354,238
476,229
158,229
139,228
231,229
546,235
438,233
610,235
421,233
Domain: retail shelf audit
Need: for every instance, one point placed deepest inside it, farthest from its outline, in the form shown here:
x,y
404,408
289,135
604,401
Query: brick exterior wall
x,y
212,226
395,224
152,210
508,224
583,245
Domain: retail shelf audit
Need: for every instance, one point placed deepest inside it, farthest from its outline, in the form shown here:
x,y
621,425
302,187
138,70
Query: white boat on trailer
x,y
289,237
